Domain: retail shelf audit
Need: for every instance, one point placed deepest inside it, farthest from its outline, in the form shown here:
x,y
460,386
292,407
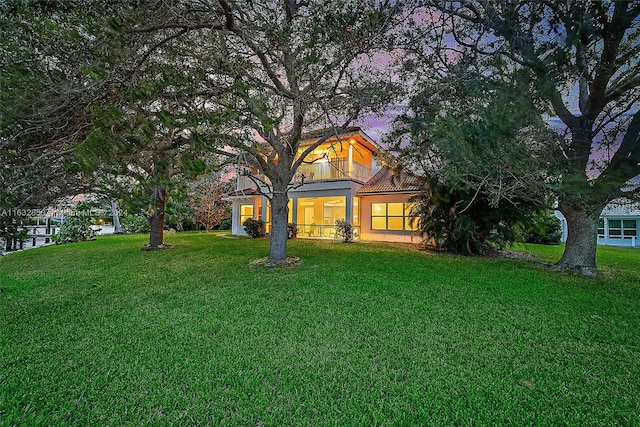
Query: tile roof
x,y
386,181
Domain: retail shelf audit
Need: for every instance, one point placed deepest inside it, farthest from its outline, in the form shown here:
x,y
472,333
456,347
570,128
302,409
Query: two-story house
x,y
340,179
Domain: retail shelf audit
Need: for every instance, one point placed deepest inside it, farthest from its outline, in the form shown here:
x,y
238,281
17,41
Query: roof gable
x,y
348,133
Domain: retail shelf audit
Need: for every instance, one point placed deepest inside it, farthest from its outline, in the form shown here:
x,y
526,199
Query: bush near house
x,y
292,231
545,230
225,224
467,222
344,229
254,227
134,224
75,229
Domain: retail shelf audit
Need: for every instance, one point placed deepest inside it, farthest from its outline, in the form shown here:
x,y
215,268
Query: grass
x,y
101,333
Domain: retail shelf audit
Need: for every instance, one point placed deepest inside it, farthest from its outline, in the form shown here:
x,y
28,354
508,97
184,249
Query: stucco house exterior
x,y
340,179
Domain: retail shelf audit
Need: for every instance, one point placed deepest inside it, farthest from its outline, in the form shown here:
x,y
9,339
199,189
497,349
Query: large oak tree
x,y
291,67
477,155
46,94
583,61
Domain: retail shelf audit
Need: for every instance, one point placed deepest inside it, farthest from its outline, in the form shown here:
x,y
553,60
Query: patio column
x,y
294,211
263,209
350,163
235,217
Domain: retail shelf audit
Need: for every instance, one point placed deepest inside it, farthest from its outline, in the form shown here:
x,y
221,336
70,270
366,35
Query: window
x,y
333,210
622,229
391,216
615,228
378,216
629,228
246,212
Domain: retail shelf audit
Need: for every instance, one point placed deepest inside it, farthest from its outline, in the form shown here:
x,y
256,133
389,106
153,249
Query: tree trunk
x,y
156,218
11,232
279,218
117,228
582,238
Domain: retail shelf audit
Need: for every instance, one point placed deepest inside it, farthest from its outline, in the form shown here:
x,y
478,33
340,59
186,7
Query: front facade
x,y
339,180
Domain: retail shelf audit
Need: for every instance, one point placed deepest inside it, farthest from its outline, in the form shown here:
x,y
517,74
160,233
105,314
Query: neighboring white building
x,y
618,226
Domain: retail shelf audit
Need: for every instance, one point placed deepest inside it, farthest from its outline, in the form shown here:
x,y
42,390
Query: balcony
x,y
333,169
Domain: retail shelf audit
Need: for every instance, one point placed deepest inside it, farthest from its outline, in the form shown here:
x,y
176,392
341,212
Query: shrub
x,y
133,224
292,231
465,221
74,229
225,224
546,230
254,227
344,229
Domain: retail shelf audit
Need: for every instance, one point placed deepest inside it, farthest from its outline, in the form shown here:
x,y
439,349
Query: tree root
x,y
576,269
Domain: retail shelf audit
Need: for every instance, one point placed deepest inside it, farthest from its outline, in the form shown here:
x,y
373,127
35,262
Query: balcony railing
x,y
334,169
319,231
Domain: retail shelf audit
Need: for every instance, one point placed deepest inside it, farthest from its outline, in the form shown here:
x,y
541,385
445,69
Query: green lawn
x,y
101,333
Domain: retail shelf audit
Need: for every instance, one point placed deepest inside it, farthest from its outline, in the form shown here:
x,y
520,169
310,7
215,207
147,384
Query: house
x,y
618,224
340,179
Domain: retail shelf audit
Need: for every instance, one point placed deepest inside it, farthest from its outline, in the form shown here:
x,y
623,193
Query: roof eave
x,y
382,193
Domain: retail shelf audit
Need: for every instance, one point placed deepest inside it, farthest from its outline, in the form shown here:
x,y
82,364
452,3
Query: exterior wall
x,y
236,225
243,181
338,187
366,233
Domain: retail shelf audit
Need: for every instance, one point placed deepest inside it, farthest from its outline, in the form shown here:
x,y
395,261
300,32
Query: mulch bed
x,y
289,262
